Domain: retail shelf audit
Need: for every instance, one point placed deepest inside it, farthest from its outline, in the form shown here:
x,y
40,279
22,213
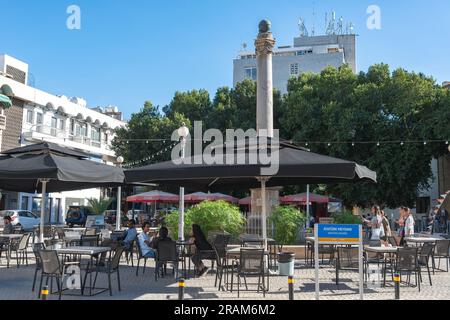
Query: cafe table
x,y
84,251
384,251
421,240
9,237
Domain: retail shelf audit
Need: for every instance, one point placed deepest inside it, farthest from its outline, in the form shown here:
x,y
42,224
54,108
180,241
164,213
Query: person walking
x,y
409,222
386,229
376,224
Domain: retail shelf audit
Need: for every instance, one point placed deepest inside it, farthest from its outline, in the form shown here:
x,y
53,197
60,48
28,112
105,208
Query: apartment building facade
x,y
37,116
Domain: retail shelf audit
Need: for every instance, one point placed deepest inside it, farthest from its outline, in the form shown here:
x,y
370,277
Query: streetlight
x,y
119,162
183,133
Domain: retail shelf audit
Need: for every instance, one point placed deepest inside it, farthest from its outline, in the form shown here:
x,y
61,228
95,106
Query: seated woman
x,y
163,235
204,250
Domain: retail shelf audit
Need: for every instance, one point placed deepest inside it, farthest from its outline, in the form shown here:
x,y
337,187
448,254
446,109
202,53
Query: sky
x,y
127,52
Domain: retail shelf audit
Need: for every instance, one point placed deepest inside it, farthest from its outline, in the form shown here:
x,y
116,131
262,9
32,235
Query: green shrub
x,y
210,216
287,221
346,217
171,222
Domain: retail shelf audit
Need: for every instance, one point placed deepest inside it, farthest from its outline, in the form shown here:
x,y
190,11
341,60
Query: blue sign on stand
x,y
338,233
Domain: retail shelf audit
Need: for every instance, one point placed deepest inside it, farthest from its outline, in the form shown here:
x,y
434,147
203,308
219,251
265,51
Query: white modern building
x,y
307,54
40,116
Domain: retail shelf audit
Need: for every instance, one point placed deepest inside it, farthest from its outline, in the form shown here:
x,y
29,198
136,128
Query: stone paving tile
x,y
15,284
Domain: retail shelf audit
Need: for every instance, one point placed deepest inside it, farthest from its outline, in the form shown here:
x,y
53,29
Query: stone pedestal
x,y
272,201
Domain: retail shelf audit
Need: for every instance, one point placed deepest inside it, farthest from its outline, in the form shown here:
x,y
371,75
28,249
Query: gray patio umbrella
x,y
47,167
296,166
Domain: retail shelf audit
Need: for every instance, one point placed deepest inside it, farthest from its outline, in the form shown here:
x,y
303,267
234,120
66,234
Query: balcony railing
x,y
56,133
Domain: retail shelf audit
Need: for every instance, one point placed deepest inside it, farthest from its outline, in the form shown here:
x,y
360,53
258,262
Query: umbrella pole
x,y
118,213
44,192
307,204
181,216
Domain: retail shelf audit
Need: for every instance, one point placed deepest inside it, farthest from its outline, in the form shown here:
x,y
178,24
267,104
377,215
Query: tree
x,y
147,133
339,106
97,206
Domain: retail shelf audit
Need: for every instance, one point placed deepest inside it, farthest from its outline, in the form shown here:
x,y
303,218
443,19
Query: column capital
x,y
264,43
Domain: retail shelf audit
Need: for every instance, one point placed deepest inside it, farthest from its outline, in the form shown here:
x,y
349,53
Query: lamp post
x,y
119,162
183,133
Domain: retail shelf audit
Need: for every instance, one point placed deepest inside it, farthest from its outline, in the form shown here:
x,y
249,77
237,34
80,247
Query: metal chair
x,y
36,248
89,240
407,261
426,252
90,232
166,253
251,264
139,257
107,267
220,244
20,246
347,259
441,250
52,268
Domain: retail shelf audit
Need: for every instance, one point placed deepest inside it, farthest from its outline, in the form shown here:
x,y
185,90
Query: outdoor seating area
x,y
238,267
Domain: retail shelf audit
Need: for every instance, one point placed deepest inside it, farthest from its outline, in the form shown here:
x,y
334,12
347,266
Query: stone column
x,y
264,44
264,87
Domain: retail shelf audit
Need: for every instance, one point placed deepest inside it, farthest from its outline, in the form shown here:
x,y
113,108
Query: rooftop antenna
x,y
331,29
313,30
302,27
350,28
340,26
244,46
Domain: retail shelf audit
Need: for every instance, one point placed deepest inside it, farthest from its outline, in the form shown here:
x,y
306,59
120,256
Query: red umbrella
x,y
154,196
246,201
201,196
301,198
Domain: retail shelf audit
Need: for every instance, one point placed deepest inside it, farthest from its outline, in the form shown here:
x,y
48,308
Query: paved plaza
x,y
16,283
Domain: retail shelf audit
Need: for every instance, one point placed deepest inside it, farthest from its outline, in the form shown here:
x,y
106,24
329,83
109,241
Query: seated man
x,y
144,242
130,235
8,228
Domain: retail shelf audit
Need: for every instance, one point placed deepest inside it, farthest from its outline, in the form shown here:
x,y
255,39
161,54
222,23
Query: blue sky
x,y
131,51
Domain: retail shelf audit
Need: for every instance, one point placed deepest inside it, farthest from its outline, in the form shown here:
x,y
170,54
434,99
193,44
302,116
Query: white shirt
x,y
409,225
142,237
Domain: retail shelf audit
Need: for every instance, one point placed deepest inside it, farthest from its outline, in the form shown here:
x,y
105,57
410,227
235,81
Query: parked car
x,y
21,218
77,215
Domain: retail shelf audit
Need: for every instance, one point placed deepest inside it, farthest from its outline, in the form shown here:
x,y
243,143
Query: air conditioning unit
x,y
2,122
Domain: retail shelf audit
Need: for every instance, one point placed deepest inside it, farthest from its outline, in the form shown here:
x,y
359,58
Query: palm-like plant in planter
x,y
99,206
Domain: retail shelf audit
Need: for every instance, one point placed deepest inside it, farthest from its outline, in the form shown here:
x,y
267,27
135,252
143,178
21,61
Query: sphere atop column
x,y
264,26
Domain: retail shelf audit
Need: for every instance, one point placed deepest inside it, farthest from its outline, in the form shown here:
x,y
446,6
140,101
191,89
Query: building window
x,y
39,122
61,124
24,203
81,130
250,73
294,69
30,116
95,134
422,205
72,127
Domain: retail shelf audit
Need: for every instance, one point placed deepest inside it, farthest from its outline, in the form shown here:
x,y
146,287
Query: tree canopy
x,y
336,107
